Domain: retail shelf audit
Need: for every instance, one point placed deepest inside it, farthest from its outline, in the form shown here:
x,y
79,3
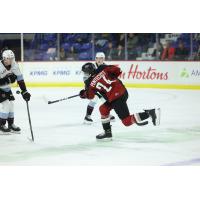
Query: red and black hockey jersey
x,y
105,81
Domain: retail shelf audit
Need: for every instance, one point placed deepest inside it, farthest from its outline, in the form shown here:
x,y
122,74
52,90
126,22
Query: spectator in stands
x,y
82,38
197,54
110,51
101,40
197,37
71,55
158,51
168,52
51,51
181,53
132,42
62,54
121,41
119,53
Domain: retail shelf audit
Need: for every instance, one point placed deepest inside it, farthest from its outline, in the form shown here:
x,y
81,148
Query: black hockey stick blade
x,y
50,102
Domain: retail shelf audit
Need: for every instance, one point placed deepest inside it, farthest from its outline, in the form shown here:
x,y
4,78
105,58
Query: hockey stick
x,y
29,117
70,97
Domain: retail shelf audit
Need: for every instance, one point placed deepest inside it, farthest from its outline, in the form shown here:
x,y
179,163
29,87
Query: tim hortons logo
x,y
148,74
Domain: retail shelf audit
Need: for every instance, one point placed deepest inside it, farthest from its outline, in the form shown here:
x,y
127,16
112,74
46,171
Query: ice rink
x,y
61,138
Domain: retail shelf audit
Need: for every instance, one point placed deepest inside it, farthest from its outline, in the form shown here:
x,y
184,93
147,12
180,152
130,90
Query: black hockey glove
x,y
26,95
82,94
12,78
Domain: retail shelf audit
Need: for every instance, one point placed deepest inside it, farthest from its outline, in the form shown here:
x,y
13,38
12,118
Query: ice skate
x,y
88,120
4,130
14,129
107,135
154,115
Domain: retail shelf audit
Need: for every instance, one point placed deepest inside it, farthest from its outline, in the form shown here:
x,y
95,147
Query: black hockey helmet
x,y
89,68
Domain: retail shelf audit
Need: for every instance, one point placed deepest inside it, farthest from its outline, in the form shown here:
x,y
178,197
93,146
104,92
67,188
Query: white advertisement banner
x,y
52,71
134,72
160,72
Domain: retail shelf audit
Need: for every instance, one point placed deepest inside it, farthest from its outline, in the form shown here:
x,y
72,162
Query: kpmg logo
x,y
39,73
61,72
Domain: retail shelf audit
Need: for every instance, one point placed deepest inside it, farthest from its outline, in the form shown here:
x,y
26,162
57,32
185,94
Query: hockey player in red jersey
x,y
104,80
99,61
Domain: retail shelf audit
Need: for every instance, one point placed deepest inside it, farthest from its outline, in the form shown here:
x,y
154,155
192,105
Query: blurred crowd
x,y
116,46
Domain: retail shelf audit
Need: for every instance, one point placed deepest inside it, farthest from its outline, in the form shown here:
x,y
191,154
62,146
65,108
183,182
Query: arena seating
x,y
81,44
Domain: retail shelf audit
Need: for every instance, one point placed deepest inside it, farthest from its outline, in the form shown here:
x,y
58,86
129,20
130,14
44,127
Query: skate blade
x,y
158,113
15,132
104,139
87,122
5,133
112,120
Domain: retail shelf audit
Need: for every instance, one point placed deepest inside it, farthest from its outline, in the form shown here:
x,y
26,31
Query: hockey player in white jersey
x,y
9,73
99,60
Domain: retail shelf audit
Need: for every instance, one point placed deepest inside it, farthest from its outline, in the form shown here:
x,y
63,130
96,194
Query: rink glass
x,y
83,46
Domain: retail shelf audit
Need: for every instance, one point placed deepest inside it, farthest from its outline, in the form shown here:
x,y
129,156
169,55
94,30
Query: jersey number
x,y
100,85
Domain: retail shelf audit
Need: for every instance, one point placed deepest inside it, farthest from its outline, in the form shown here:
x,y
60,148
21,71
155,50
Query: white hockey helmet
x,y
8,54
100,55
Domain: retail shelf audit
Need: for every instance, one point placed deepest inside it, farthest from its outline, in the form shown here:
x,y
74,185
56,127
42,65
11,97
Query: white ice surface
x,y
61,138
